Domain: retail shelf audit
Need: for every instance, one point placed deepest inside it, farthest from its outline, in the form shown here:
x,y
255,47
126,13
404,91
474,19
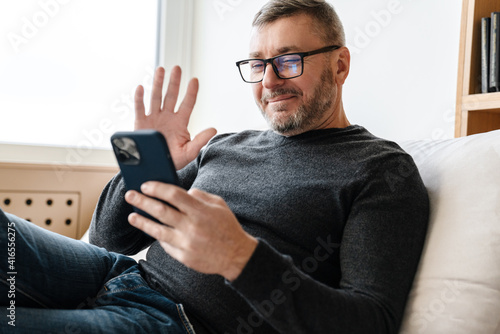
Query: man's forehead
x,y
278,51
290,34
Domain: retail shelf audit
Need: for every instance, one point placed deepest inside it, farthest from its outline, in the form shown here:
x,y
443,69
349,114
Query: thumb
x,y
204,196
200,140
192,148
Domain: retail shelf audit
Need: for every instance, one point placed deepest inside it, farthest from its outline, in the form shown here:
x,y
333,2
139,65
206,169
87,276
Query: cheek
x,y
257,92
308,87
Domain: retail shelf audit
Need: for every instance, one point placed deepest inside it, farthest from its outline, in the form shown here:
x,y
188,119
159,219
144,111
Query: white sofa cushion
x,y
457,286
137,257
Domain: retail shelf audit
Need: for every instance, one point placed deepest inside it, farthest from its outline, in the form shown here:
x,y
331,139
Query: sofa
x,y
457,286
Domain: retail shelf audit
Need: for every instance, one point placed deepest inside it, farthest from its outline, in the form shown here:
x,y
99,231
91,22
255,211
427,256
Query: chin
x,y
290,133
290,126
286,122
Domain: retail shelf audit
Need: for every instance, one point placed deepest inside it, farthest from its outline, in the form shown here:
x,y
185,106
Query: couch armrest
x,y
457,286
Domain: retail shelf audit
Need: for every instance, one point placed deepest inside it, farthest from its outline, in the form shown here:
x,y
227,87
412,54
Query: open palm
x,y
173,125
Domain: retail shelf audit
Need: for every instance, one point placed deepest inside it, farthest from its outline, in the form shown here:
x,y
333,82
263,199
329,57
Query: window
x,y
69,69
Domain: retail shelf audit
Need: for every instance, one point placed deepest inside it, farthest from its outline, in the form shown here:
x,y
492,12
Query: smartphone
x,y
143,155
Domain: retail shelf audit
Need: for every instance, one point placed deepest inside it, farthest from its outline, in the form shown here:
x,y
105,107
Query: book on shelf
x,y
494,74
485,54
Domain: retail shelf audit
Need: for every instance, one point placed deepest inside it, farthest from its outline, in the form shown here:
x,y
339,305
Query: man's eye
x,y
291,60
257,66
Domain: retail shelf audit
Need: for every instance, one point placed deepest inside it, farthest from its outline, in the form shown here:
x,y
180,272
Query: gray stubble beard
x,y
307,114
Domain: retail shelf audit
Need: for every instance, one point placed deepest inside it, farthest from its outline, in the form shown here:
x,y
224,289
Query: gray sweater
x,y
340,216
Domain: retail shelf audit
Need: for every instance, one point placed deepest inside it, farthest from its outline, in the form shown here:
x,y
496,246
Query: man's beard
x,y
306,114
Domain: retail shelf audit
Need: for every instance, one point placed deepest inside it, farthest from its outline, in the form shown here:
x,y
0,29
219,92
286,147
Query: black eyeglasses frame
x,y
275,69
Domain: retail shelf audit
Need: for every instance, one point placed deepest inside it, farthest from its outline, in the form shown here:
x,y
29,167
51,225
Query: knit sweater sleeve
x,y
110,228
379,253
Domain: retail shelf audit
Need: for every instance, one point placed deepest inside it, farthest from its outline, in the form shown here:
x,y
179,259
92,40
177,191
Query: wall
x,y
402,83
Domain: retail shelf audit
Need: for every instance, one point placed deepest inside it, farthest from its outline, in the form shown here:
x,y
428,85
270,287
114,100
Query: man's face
x,y
294,106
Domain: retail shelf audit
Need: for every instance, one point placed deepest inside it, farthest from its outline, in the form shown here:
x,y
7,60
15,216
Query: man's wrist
x,y
241,257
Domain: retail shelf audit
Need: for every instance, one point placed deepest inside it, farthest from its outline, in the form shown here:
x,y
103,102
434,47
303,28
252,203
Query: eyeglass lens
x,y
288,66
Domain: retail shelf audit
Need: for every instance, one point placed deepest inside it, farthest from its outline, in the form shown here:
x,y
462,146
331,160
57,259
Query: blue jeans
x,y
53,284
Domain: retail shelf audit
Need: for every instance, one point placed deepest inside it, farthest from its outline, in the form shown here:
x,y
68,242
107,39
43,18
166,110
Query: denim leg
x,y
126,304
59,285
49,270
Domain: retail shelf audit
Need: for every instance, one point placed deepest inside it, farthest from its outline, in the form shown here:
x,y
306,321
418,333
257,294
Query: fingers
x,y
156,94
153,229
171,194
140,110
173,89
174,195
189,100
205,197
171,95
161,211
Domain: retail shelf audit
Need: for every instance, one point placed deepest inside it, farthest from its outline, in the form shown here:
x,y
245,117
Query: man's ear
x,y
343,65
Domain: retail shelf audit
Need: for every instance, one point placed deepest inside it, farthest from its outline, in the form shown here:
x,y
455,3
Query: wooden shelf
x,y
475,112
488,101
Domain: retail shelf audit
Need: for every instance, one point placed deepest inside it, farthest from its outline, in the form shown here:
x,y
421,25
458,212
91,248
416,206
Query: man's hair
x,y
326,20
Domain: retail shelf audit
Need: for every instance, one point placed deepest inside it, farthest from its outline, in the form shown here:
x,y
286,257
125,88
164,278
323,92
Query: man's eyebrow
x,y
280,51
254,55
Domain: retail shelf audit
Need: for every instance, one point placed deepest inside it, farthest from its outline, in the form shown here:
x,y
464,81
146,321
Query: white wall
x,y
221,35
402,83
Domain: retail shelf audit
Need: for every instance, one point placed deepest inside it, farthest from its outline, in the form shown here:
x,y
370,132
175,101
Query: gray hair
x,y
327,22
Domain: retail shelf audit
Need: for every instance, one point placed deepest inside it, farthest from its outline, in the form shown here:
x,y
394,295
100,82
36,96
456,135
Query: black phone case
x,y
148,160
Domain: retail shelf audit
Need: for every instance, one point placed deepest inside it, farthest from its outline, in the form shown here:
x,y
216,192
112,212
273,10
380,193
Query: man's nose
x,y
270,78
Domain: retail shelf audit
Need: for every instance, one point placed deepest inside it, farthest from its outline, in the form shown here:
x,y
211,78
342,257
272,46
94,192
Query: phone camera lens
x,y
123,156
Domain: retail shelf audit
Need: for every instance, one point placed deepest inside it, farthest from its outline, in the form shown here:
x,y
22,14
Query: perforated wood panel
x,y
42,193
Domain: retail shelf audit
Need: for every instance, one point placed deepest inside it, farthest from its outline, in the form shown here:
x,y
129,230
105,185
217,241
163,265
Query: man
x,y
314,226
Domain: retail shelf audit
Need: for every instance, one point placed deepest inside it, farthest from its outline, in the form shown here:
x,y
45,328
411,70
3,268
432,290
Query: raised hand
x,y
173,125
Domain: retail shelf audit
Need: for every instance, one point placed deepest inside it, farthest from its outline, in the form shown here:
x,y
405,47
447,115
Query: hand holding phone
x,y
143,156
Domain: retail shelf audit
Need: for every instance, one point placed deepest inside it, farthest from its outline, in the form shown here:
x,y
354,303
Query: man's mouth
x,y
280,98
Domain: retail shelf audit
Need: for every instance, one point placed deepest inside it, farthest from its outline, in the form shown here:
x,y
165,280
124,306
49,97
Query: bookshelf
x,y
475,112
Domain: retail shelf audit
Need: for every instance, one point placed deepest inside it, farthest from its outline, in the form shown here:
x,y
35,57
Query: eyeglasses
x,y
287,66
